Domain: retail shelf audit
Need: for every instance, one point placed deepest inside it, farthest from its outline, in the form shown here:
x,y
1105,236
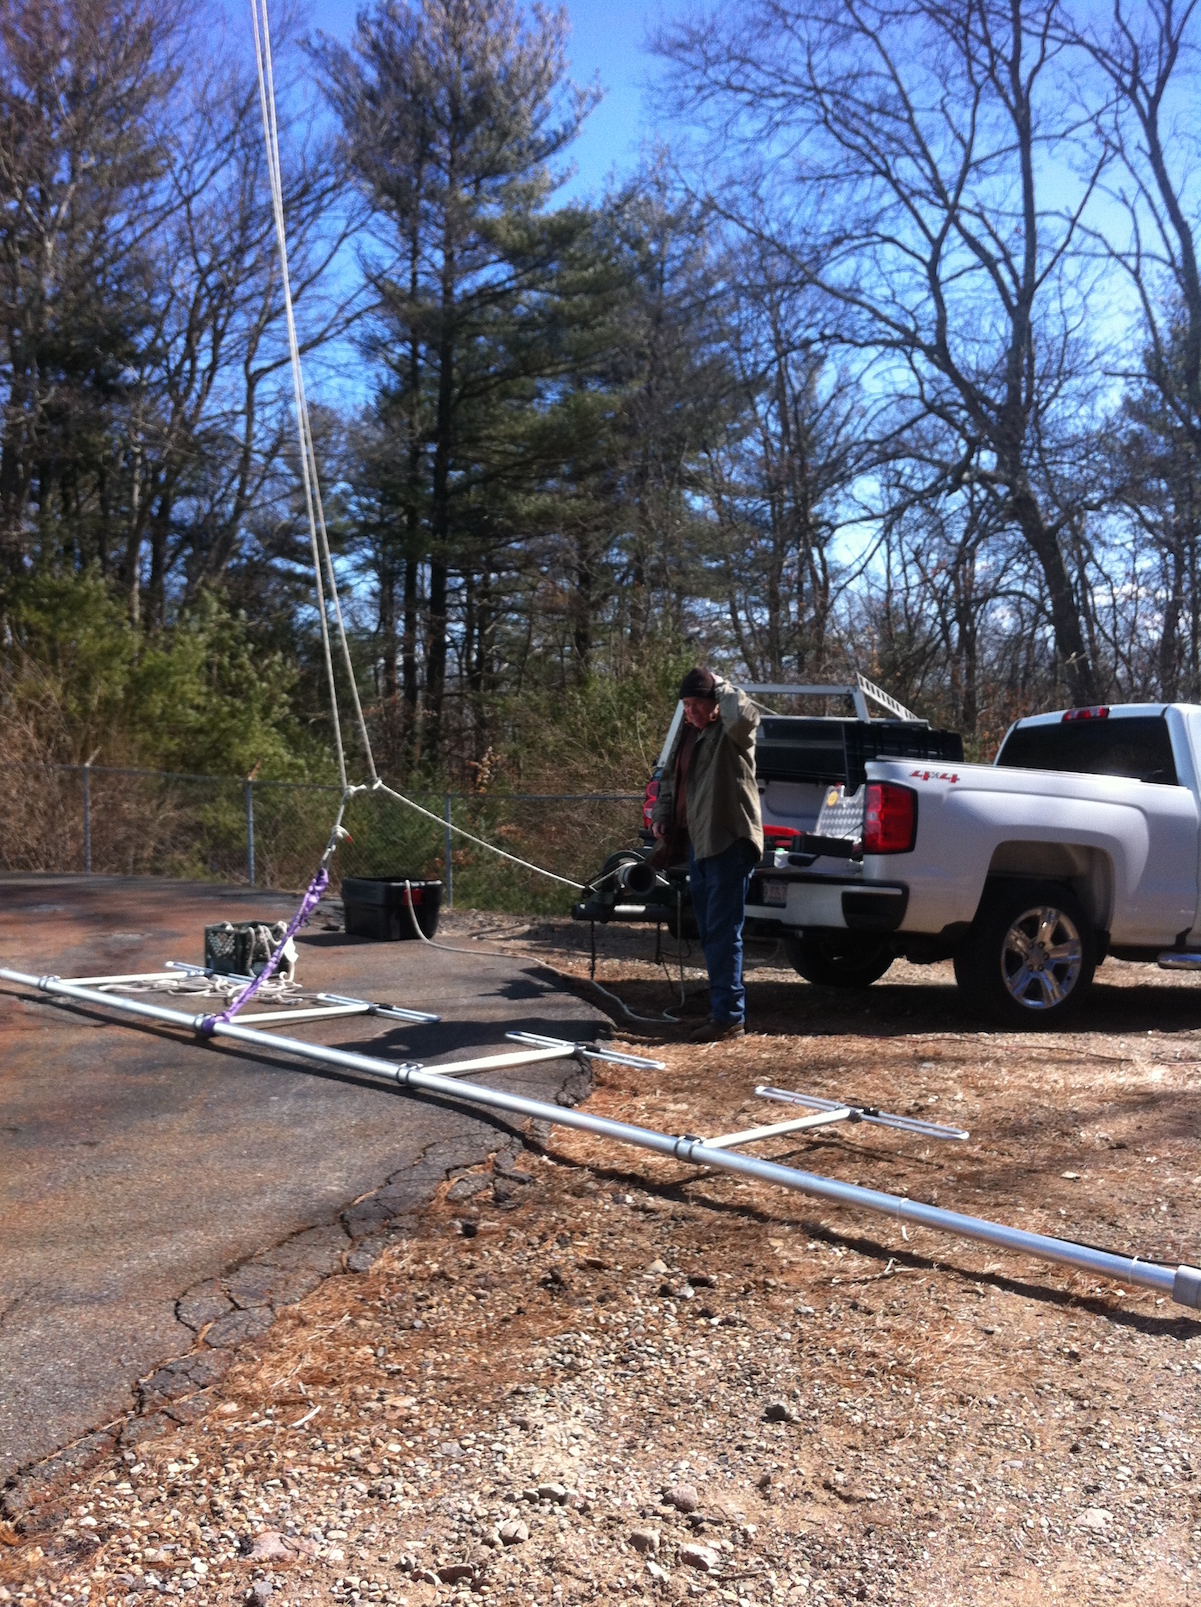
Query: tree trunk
x,y
412,565
583,603
387,637
1065,615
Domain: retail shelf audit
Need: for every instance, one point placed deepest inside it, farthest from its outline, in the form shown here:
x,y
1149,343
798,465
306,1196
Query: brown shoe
x,y
717,1032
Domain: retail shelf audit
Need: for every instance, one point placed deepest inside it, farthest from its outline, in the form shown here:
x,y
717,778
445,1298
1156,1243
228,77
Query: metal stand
x,y
329,1004
1182,1284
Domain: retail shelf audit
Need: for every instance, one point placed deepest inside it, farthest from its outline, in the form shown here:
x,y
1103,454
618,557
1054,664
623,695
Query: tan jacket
x,y
723,799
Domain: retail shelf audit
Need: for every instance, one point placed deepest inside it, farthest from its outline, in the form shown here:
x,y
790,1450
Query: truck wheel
x,y
832,964
1030,957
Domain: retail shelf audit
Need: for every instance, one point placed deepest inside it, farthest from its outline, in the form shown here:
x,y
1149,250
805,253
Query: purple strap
x,y
307,905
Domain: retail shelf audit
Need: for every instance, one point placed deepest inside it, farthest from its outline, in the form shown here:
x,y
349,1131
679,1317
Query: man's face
x,y
700,711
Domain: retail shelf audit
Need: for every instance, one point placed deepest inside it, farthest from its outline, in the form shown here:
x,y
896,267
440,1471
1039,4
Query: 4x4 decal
x,y
933,775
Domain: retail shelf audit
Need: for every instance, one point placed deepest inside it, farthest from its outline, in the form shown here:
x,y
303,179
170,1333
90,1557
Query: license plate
x,y
775,892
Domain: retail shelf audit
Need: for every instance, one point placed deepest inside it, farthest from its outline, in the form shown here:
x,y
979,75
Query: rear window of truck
x,y
1137,746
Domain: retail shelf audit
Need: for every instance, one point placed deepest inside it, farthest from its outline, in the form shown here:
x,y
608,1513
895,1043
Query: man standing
x,y
708,790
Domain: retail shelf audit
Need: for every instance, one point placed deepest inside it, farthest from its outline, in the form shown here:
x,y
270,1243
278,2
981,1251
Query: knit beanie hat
x,y
699,683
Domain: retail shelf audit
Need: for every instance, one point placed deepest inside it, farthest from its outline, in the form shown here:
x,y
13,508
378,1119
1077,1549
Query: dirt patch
x,y
593,1373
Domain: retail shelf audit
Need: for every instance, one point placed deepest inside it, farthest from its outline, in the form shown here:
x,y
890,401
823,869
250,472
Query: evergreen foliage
x,y
806,397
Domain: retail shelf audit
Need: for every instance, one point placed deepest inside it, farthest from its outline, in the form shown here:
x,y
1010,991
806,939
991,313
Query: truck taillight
x,y
890,818
648,802
1097,712
780,836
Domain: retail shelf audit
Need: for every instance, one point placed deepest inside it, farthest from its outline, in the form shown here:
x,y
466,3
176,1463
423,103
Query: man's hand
x,y
659,830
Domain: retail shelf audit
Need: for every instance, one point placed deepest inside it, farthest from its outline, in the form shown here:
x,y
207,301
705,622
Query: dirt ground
x,y
589,1373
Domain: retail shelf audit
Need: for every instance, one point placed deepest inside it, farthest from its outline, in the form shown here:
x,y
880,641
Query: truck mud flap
x,y
874,909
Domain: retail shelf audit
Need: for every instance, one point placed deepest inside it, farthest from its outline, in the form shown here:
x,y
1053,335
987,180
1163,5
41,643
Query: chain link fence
x,y
116,822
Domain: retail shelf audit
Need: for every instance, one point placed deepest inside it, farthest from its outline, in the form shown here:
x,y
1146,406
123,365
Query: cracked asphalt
x,y
153,1190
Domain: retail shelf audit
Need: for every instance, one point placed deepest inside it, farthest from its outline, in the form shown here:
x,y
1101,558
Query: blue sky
x,y
607,43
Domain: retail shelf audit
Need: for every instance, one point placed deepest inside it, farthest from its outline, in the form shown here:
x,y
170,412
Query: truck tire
x,y
834,964
1030,956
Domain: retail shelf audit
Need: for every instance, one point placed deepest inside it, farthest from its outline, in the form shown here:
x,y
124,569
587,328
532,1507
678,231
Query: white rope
x,y
318,535
382,786
262,56
276,990
505,954
276,170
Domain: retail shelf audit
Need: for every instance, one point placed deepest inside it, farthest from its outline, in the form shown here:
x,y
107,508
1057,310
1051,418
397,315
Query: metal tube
x,y
398,1010
250,831
449,846
87,819
864,1113
1182,1283
134,976
319,1013
424,1017
111,1001
802,1124
523,1057
613,1056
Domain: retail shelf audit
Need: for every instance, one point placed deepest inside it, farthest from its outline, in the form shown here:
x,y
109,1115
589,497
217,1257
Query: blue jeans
x,y
719,886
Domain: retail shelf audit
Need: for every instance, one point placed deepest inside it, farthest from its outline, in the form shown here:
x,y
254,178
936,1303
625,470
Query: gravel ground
x,y
586,1373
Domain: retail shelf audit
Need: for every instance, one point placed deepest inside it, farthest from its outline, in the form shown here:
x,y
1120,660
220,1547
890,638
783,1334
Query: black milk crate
x,y
235,948
376,906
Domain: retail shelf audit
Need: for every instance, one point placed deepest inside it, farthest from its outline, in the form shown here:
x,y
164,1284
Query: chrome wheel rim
x,y
1041,958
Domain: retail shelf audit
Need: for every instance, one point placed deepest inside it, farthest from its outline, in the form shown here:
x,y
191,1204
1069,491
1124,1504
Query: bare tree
x,y
780,480
899,154
212,419
144,424
82,86
1146,56
1142,114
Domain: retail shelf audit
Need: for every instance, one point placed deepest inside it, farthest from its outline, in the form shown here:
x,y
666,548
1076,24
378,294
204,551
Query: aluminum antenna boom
x,y
1182,1284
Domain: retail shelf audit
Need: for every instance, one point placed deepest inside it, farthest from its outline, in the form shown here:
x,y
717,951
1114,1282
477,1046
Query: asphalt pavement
x,y
138,1167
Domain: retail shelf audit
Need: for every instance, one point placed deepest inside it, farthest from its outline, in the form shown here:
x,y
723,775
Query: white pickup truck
x,y
1081,840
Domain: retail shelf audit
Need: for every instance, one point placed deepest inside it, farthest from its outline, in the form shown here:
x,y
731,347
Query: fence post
x,y
249,785
87,818
449,878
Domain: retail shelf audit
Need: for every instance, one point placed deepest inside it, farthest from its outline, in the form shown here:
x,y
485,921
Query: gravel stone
x,y
684,1498
703,1558
453,1572
269,1547
1095,1518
